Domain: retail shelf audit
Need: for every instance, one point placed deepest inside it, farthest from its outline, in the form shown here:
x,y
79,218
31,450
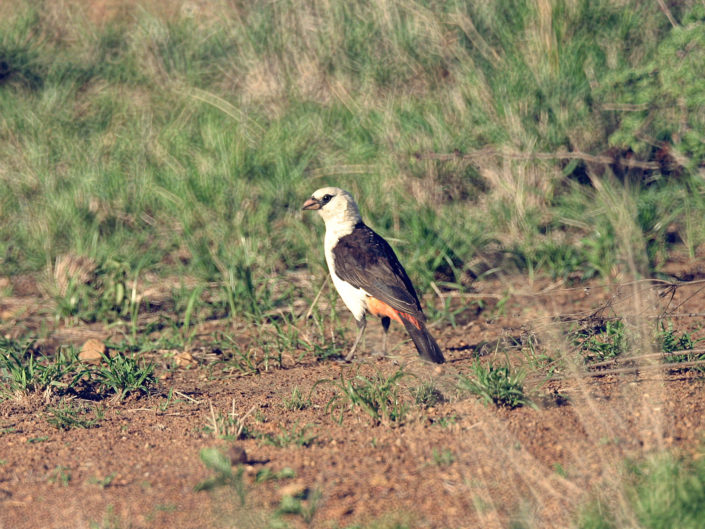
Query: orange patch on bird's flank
x,y
380,308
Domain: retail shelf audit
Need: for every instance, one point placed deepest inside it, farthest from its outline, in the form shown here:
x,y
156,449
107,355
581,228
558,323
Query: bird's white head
x,y
336,206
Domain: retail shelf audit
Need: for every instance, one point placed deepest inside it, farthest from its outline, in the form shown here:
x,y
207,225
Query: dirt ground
x,y
457,464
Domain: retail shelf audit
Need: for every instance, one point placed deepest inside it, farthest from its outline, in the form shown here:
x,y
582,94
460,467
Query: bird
x,y
367,274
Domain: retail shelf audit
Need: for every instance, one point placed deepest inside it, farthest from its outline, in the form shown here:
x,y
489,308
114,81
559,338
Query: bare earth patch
x,y
457,463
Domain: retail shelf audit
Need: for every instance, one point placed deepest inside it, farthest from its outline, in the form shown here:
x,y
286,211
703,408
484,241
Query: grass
x,y
603,342
295,435
427,395
676,345
304,506
61,475
103,482
110,521
184,146
68,415
377,396
501,385
445,422
297,401
663,491
672,341
267,474
224,476
124,375
99,293
443,458
22,371
229,426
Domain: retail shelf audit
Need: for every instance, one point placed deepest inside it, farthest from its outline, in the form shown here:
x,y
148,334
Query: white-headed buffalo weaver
x,y
367,274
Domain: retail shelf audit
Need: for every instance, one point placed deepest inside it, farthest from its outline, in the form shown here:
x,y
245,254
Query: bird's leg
x,y
361,324
385,340
385,327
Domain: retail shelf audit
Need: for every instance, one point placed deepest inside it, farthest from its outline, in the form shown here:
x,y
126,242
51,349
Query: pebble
x,y
184,359
92,351
237,455
292,489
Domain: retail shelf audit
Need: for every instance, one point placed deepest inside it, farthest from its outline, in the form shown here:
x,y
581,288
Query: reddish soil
x,y
456,464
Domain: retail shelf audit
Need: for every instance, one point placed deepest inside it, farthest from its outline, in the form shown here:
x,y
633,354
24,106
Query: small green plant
x,y
378,396
662,492
224,476
102,295
243,360
244,294
297,401
427,395
602,342
500,385
103,482
443,458
163,406
670,342
445,422
560,470
304,505
60,475
110,521
536,359
267,474
449,313
327,350
68,415
229,426
296,435
187,330
22,371
283,337
124,375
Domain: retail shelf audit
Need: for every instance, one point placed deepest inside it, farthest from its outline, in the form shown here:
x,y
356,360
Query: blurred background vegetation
x,y
553,137
175,142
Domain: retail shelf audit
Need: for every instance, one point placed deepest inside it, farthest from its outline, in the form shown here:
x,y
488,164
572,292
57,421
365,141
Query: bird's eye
x,y
325,199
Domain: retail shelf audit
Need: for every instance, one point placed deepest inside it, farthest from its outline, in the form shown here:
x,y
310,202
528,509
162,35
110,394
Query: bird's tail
x,y
424,342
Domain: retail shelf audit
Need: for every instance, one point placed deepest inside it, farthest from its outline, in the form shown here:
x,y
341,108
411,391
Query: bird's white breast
x,y
355,299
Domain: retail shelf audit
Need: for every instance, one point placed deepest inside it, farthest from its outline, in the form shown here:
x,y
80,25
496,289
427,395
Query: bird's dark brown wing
x,y
366,261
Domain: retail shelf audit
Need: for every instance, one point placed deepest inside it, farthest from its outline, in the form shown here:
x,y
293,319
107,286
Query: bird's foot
x,y
379,354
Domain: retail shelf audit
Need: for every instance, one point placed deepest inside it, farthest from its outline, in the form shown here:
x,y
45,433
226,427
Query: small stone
x,y
379,480
237,455
293,489
92,351
184,359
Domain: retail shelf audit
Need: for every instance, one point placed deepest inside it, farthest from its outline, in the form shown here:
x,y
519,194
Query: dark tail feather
x,y
424,342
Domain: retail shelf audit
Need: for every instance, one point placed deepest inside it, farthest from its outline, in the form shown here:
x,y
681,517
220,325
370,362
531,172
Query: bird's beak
x,y
312,203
